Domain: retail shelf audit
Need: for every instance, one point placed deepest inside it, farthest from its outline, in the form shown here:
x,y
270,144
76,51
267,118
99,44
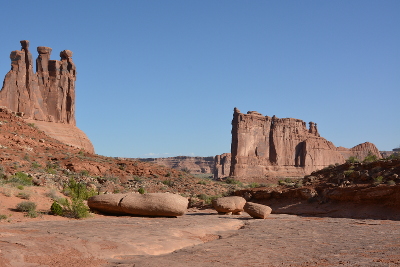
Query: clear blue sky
x,y
161,78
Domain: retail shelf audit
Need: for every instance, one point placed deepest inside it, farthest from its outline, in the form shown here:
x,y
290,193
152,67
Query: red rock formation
x,y
195,165
47,96
265,146
222,165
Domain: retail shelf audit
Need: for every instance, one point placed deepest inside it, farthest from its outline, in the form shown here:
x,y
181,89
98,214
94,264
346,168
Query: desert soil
x,y
201,238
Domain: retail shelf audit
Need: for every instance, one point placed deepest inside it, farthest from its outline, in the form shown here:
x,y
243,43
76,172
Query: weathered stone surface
x,y
264,146
257,211
232,204
152,204
195,165
222,165
47,95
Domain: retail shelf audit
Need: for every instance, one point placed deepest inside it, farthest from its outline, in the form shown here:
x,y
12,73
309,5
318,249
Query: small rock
x,y
257,211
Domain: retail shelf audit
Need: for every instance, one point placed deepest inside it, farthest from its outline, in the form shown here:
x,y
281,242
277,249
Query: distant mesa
x,y
47,97
264,146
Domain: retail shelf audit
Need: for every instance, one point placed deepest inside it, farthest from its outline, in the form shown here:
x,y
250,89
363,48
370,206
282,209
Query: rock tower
x,y
47,97
264,146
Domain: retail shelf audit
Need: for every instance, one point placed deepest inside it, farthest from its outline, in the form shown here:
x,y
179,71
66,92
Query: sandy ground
x,y
202,238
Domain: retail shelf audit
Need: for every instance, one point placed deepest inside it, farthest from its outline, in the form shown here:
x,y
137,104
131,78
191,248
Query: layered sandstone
x,y
264,146
46,97
194,165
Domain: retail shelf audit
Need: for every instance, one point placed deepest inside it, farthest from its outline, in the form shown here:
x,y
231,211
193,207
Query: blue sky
x,y
161,78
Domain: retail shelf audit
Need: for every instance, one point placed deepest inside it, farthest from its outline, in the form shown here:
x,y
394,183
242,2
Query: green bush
x,y
56,209
77,190
202,182
378,180
20,178
78,193
3,217
142,190
348,172
352,159
370,158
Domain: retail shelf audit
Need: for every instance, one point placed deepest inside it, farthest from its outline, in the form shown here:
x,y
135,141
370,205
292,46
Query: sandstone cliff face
x,y
222,165
195,165
47,96
264,146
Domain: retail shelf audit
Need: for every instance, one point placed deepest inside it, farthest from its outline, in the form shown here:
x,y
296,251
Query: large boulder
x,y
257,211
152,204
232,204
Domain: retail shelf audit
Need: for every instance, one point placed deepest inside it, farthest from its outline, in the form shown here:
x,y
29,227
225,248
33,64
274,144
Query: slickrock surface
x,y
46,97
202,239
264,146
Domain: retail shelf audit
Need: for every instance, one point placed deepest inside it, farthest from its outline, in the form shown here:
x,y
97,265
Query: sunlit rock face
x,y
264,146
47,97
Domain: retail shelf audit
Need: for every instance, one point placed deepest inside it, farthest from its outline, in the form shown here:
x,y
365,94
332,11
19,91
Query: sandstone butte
x,y
269,147
47,97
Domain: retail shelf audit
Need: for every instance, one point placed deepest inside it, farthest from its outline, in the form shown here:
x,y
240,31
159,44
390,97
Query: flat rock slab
x,y
202,239
290,240
93,242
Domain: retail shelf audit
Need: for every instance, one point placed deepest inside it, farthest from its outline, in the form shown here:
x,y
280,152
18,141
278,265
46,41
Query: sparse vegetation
x,y
254,185
20,178
3,217
168,182
370,158
141,190
348,172
78,193
29,207
352,159
378,180
24,195
391,182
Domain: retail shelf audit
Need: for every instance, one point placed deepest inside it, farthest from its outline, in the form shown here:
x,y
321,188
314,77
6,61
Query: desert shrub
x,y
253,185
24,195
207,199
231,180
56,209
370,158
137,178
298,184
3,217
202,182
168,174
391,182
168,182
348,172
142,190
78,193
85,173
36,165
378,180
288,180
77,190
29,207
20,178
20,187
352,159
